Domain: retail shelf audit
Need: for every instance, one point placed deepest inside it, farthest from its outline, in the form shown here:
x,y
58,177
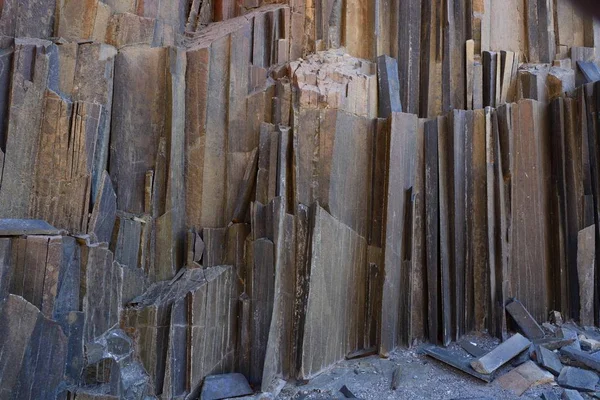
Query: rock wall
x,y
192,187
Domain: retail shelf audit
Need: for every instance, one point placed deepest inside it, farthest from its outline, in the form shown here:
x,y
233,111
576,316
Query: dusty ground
x,y
421,378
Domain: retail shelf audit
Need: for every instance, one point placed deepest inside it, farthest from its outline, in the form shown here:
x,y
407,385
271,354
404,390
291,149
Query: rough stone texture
x,y
77,19
397,246
65,162
342,82
27,18
129,29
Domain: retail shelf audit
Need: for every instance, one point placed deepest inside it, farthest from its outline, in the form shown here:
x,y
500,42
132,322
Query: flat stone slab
x,y
549,360
525,376
570,394
577,378
567,333
224,386
501,354
590,71
18,227
455,361
581,357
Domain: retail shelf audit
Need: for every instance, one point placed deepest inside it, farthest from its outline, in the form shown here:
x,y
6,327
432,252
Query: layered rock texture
x,y
195,187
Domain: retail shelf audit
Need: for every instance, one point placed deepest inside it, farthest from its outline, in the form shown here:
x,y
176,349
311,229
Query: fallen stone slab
x,y
590,332
548,359
527,324
567,333
589,344
589,70
456,361
549,396
554,343
223,386
570,394
581,357
525,376
577,378
18,227
396,376
501,354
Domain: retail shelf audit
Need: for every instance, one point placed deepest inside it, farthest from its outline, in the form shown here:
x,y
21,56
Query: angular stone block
x,y
502,354
225,386
578,379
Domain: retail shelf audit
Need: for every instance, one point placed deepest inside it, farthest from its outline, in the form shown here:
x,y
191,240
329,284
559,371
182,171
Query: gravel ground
x,y
421,378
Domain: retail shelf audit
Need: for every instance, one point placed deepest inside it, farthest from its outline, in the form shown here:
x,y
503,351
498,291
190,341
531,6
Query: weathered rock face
x,y
190,187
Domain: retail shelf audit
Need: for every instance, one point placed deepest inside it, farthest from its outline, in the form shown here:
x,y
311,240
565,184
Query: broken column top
x,y
334,79
186,281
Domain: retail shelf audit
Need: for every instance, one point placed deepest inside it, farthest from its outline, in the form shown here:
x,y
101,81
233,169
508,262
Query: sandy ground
x,y
421,378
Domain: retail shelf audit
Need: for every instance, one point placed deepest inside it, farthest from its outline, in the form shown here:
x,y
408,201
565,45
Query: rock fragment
x,y
577,378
